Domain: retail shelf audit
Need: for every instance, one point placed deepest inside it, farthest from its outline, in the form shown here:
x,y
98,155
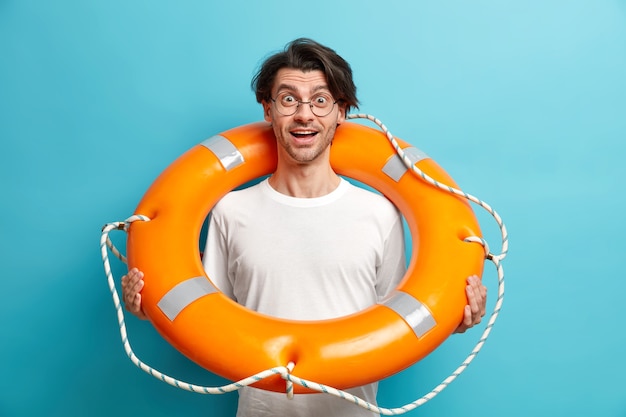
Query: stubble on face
x,y
308,151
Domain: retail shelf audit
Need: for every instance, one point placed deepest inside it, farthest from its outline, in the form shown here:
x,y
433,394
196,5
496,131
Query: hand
x,y
131,287
476,304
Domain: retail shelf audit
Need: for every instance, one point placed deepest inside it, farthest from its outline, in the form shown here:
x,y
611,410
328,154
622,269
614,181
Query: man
x,y
305,244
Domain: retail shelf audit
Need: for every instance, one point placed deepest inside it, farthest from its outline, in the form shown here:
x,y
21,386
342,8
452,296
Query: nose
x,y
304,111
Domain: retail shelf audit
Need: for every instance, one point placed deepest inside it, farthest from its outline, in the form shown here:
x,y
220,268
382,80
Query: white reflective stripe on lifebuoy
x,y
412,311
395,168
183,294
228,154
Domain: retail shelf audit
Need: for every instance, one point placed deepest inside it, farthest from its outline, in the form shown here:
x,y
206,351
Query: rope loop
x,y
134,218
124,226
409,165
285,372
483,242
105,243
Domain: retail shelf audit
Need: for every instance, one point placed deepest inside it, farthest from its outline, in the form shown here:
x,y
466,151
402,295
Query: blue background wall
x,y
524,103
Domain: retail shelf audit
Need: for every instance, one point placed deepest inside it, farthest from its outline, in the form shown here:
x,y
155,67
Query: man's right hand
x,y
132,283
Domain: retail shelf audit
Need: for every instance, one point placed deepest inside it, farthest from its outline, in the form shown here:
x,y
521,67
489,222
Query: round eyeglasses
x,y
321,104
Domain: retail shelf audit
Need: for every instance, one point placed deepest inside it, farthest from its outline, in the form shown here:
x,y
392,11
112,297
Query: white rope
x,y
407,162
105,243
439,388
285,372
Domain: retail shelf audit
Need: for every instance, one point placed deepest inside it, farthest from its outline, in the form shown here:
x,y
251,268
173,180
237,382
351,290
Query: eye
x,y
321,100
288,100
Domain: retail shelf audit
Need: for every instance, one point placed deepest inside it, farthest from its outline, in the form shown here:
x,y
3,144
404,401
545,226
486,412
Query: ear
x,y
341,117
266,111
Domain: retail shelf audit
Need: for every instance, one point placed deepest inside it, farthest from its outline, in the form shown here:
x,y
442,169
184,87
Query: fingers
x,y
132,284
476,306
476,298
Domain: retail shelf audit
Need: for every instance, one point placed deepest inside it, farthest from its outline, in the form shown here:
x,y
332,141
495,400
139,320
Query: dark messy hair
x,y
307,55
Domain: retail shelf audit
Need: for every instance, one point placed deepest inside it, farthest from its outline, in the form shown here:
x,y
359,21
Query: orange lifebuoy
x,y
234,342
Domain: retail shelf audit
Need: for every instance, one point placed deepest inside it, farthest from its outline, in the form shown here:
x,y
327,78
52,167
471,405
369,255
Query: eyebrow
x,y
289,87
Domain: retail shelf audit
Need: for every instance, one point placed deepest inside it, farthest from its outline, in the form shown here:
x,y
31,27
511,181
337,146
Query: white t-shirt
x,y
305,259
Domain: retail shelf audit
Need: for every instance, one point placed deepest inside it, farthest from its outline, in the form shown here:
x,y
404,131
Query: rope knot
x,y
287,378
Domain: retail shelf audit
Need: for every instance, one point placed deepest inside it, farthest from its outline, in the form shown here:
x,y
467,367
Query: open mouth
x,y
304,134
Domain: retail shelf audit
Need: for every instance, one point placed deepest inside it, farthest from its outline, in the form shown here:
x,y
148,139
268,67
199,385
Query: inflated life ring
x,y
234,342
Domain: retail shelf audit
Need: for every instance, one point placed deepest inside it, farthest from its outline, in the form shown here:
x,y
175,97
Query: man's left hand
x,y
476,304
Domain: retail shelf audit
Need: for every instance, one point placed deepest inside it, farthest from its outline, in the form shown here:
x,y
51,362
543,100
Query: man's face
x,y
303,136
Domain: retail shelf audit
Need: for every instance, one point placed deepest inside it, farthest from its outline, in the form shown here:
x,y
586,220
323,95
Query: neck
x,y
305,183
